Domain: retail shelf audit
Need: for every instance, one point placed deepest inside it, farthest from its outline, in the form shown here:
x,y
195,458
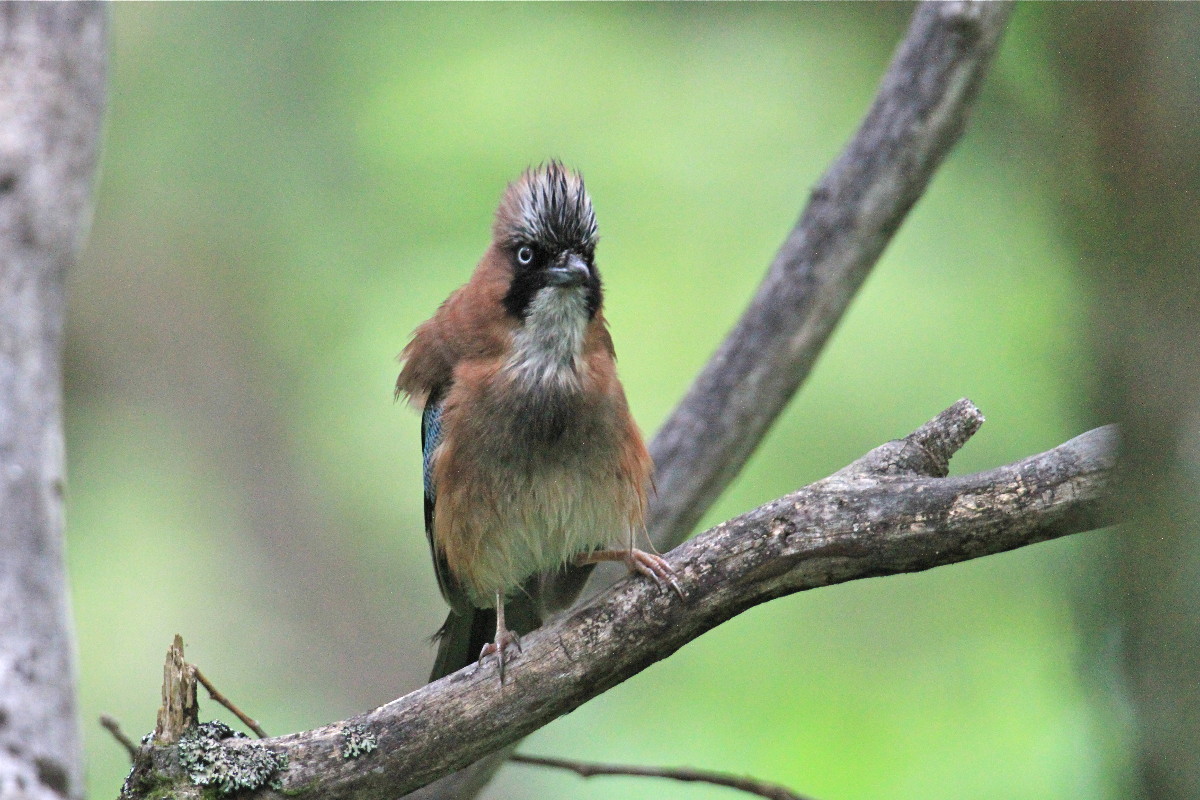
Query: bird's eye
x,y
525,255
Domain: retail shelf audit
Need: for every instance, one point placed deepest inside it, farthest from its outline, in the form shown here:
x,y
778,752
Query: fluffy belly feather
x,y
516,499
539,524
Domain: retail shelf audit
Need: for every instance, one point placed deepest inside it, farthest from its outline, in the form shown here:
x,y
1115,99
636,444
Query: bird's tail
x,y
463,635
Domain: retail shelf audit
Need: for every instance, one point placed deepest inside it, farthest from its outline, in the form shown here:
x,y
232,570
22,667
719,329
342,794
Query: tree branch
x,y
110,724
588,769
917,116
891,511
216,696
52,59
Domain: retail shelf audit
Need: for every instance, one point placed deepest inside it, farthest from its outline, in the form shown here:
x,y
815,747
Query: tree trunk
x,y
52,60
1135,73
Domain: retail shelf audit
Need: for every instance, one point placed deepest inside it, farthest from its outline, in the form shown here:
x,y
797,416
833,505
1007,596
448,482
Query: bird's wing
x,y
431,437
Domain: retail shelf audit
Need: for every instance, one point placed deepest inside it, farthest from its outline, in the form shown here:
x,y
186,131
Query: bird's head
x,y
546,230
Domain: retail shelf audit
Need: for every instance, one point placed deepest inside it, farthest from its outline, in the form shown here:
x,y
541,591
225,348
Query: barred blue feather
x,y
431,437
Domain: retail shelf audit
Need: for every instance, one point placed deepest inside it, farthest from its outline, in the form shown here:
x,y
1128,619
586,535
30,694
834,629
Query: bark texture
x,y
52,61
891,511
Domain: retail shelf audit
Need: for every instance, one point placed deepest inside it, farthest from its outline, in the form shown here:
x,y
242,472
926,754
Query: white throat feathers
x,y
548,346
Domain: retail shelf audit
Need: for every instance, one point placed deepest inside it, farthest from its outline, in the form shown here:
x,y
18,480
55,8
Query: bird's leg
x,y
652,565
504,639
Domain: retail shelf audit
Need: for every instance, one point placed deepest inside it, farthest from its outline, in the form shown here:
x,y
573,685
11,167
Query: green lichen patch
x,y
209,761
357,741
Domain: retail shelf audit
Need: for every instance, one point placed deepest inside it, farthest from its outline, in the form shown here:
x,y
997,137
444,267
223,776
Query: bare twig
x,y
111,725
888,513
587,769
225,701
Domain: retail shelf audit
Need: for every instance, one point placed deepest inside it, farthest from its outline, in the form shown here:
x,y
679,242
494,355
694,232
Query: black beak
x,y
570,270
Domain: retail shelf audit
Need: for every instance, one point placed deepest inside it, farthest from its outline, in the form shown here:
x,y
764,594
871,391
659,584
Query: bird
x,y
532,461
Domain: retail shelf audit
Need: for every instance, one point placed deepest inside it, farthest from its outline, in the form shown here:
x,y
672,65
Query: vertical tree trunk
x,y
52,59
1135,79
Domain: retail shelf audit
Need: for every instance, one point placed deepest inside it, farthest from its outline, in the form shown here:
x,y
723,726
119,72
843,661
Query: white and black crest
x,y
546,228
548,206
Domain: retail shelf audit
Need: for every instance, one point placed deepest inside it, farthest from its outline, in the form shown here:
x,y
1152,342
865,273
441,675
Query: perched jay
x,y
532,460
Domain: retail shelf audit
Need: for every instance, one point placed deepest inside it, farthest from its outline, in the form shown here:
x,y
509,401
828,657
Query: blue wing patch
x,y
431,437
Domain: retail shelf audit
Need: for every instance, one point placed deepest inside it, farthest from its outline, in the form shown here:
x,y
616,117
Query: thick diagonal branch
x,y
889,512
917,116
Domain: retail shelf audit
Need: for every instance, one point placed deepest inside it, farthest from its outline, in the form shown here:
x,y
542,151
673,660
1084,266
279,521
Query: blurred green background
x,y
288,190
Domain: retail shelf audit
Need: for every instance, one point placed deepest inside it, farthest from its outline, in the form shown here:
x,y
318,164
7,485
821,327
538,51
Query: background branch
x,y
918,114
889,512
588,769
52,59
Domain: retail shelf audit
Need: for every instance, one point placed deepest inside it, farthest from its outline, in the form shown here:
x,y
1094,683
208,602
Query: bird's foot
x,y
652,565
504,640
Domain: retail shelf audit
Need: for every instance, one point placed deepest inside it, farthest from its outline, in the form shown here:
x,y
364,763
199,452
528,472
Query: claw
x,y
504,640
653,566
499,649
